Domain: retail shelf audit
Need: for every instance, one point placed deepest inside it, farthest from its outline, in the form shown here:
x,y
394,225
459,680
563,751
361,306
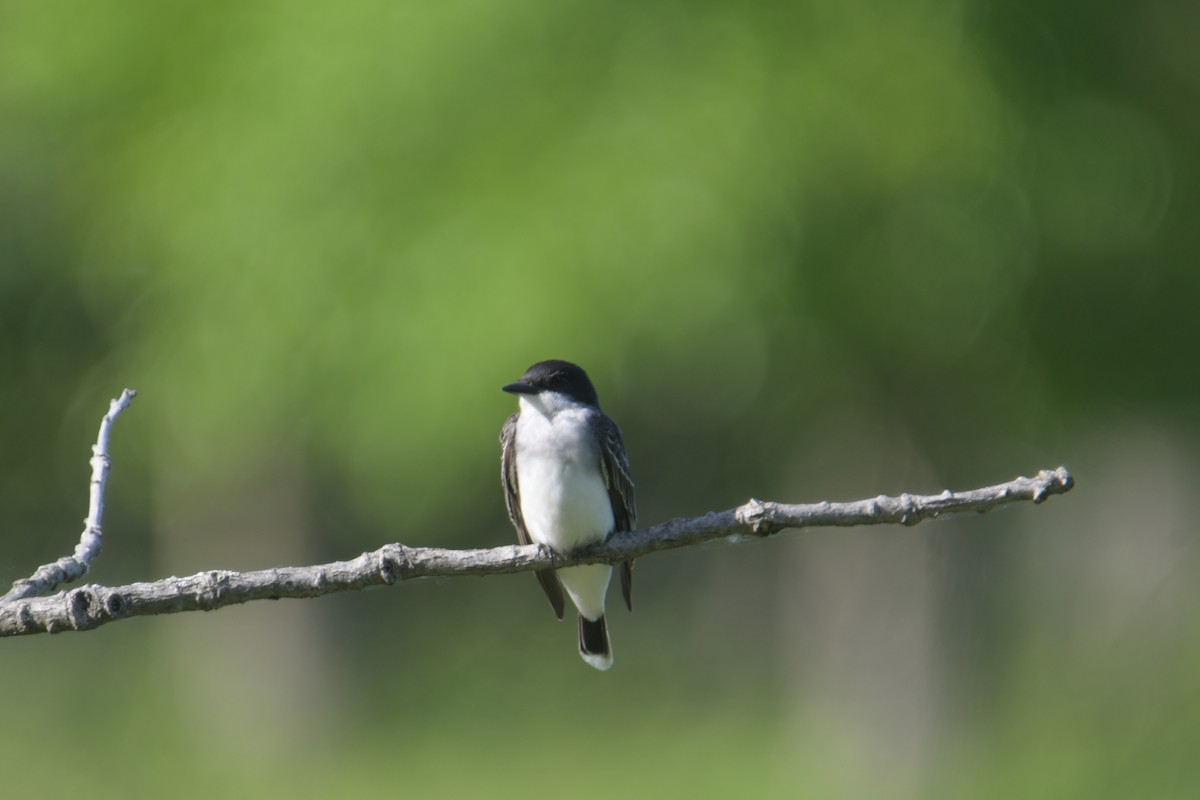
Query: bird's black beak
x,y
521,387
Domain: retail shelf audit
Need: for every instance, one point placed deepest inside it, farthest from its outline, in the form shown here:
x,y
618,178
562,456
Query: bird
x,y
567,485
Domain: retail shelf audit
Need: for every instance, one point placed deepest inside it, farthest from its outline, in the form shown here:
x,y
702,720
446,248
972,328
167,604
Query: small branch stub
x,y
754,516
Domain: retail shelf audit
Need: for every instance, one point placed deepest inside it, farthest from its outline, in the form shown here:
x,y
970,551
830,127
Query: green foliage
x,y
805,249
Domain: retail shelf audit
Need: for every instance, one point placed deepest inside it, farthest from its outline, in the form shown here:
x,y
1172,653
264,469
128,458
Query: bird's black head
x,y
556,376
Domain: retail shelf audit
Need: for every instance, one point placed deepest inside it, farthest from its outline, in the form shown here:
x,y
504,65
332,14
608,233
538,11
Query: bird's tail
x,y
594,647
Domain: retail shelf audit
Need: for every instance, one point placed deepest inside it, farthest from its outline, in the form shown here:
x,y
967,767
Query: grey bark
x,y
68,569
25,610
91,606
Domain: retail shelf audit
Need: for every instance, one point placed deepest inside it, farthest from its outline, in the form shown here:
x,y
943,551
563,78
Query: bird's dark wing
x,y
512,499
614,464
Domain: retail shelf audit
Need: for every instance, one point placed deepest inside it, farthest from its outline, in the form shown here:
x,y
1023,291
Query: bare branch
x,y
90,606
49,577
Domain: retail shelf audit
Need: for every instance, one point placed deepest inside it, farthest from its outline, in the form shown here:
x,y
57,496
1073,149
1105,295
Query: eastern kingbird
x,y
566,485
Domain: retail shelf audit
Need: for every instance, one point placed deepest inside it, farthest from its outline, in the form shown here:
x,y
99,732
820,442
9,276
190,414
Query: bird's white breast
x,y
563,497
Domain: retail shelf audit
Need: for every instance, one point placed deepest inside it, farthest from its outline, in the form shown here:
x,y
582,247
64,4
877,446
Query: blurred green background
x,y
808,250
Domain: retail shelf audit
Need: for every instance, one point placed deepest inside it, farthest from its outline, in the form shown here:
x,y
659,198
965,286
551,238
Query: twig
x,y
49,577
91,606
